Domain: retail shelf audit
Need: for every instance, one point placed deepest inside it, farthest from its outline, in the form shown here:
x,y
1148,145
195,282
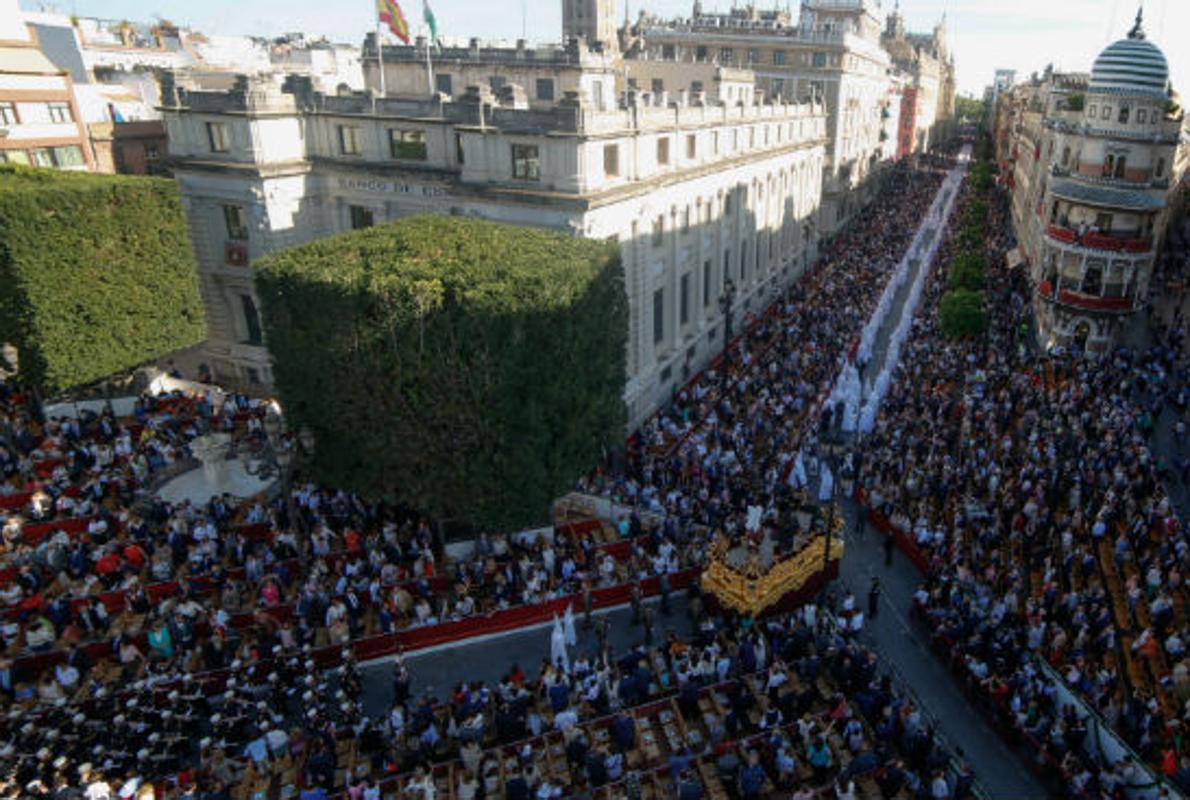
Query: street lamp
x,y
276,460
725,303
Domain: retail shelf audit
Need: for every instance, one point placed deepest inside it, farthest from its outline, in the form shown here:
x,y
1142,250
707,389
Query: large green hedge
x,y
472,368
96,274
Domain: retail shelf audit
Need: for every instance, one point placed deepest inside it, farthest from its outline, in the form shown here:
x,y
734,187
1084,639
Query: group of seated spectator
x,y
132,625
726,441
1030,485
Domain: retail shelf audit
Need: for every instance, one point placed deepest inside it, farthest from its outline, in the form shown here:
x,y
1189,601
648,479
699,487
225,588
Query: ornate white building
x,y
695,189
1089,163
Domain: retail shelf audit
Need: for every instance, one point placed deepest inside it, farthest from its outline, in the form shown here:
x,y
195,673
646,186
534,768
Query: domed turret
x,y
1132,66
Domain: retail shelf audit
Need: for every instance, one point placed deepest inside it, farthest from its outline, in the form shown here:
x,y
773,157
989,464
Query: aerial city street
x,y
449,400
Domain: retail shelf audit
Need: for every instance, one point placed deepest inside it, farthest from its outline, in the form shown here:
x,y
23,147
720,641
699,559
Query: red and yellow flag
x,y
390,14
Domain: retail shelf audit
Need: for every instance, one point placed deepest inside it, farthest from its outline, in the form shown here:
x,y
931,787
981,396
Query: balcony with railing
x,y
1094,240
1084,300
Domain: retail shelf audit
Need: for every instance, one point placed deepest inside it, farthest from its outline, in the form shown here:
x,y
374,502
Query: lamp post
x,y
276,459
725,304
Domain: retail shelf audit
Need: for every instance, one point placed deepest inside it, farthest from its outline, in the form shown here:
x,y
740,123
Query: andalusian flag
x,y
427,14
390,14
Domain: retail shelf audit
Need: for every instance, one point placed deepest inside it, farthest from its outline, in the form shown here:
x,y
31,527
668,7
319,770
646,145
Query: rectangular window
x,y
684,301
526,165
658,231
726,55
251,320
658,316
753,55
361,217
663,150
70,155
8,113
668,52
656,86
60,112
1106,112
685,214
14,157
726,265
1141,116
408,145
217,137
235,219
545,89
706,283
443,83
459,147
611,160
700,53
778,58
43,157
496,83
818,60
715,142
350,137
691,146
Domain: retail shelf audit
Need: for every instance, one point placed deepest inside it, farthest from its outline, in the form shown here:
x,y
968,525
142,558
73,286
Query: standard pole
x,y
380,59
429,66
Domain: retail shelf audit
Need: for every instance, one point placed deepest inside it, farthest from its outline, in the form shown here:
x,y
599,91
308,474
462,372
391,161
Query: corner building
x,y
1088,160
696,190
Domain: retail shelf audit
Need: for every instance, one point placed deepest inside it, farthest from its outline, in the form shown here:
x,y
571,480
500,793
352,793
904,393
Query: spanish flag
x,y
390,14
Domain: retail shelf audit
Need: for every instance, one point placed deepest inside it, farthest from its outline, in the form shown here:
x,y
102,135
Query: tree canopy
x,y
96,274
472,368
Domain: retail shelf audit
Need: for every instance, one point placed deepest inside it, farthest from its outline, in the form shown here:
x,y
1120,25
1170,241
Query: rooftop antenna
x,y
1138,31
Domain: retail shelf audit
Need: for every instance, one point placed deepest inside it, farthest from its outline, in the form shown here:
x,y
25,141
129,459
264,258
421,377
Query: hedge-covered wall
x,y
471,368
96,274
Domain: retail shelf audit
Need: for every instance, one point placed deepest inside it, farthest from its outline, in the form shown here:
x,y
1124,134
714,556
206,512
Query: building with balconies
x,y
1088,161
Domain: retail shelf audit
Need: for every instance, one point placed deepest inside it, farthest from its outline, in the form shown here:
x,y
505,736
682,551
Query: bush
x,y
96,274
961,314
967,271
477,368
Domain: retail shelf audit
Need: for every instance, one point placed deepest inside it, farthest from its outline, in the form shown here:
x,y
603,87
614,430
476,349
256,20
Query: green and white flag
x,y
432,23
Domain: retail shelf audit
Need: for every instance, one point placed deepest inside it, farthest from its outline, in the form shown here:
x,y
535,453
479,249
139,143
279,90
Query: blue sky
x,y
1020,34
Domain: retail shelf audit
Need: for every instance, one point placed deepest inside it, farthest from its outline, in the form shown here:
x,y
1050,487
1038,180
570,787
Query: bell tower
x,y
594,20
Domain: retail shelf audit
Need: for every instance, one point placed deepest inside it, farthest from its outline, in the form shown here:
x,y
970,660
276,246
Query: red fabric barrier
x,y
15,502
903,541
36,531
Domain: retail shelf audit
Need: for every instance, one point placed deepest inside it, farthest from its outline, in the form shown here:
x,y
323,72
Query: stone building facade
x,y
1088,160
695,191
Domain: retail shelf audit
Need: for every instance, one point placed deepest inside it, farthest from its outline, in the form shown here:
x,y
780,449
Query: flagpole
x,y
429,67
429,36
380,58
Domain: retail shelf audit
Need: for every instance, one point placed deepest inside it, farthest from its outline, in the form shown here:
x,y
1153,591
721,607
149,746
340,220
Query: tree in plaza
x,y
961,313
469,367
96,274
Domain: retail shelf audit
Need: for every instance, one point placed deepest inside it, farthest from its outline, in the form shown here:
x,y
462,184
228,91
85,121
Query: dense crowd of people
x,y
131,624
1029,483
726,441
